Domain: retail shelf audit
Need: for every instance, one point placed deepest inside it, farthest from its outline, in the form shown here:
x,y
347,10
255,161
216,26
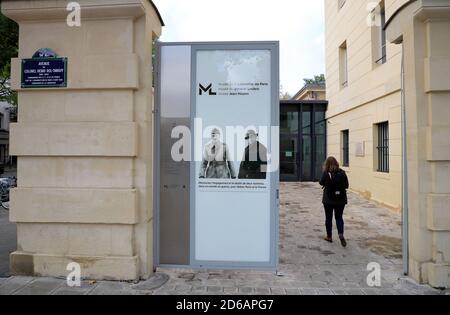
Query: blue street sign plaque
x,y
44,73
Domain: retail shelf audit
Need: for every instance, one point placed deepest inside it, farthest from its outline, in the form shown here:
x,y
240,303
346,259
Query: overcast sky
x,y
297,24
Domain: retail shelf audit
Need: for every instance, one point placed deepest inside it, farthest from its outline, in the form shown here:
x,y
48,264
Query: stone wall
x,y
85,152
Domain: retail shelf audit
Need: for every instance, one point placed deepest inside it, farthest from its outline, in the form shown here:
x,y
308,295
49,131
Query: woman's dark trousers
x,y
338,213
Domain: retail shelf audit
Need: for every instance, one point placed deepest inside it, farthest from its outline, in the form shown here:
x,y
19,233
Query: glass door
x,y
306,158
320,142
289,143
307,144
289,168
303,142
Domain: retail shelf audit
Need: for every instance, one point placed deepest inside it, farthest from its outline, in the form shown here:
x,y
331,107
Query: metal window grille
x,y
383,147
345,148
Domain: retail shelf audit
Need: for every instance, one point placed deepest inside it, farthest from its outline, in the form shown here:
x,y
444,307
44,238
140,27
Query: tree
x,y
9,47
284,95
318,79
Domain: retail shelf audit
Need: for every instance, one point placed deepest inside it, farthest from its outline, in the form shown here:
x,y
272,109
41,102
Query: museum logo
x,y
208,89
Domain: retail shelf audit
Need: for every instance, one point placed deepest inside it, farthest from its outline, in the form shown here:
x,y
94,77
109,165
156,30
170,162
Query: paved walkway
x,y
8,238
8,241
308,265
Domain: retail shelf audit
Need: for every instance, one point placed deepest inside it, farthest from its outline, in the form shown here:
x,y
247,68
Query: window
x,y
383,147
379,34
343,65
345,148
341,4
289,120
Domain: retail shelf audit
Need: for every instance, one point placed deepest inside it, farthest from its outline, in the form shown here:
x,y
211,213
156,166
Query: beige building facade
x,y
85,172
361,96
366,42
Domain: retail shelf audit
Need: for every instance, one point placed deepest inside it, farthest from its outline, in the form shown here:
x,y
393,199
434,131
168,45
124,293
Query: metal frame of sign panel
x,y
63,85
159,174
272,264
274,185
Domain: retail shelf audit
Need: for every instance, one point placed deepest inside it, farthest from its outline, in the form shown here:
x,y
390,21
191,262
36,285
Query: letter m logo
x,y
207,89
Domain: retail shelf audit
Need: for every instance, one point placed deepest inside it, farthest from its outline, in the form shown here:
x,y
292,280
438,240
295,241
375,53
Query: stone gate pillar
x,y
85,176
423,29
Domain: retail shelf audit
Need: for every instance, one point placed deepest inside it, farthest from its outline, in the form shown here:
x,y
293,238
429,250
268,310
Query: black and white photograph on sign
x,y
254,161
216,163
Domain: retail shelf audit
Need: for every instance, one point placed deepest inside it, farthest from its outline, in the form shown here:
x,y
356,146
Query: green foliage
x,y
9,46
318,79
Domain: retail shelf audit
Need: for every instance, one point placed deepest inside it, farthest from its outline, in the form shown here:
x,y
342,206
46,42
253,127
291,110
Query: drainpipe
x,y
405,232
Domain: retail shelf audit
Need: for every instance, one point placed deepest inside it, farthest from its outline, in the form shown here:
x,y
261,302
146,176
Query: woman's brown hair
x,y
331,165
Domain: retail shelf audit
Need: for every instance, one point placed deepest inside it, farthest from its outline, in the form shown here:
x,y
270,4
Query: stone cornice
x,y
428,11
23,11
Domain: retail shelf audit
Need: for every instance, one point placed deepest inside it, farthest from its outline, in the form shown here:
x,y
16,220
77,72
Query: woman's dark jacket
x,y
326,181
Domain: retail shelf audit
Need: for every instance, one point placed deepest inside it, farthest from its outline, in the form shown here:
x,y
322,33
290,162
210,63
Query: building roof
x,y
313,87
157,12
304,102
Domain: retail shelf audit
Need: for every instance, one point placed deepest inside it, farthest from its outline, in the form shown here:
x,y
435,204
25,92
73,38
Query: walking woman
x,y
335,184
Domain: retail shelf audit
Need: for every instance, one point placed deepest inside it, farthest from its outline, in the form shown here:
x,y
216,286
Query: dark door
x,y
320,142
289,156
303,142
307,143
289,143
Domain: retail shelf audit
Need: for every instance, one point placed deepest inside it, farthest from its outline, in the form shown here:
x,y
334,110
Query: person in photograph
x,y
335,184
216,163
254,162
